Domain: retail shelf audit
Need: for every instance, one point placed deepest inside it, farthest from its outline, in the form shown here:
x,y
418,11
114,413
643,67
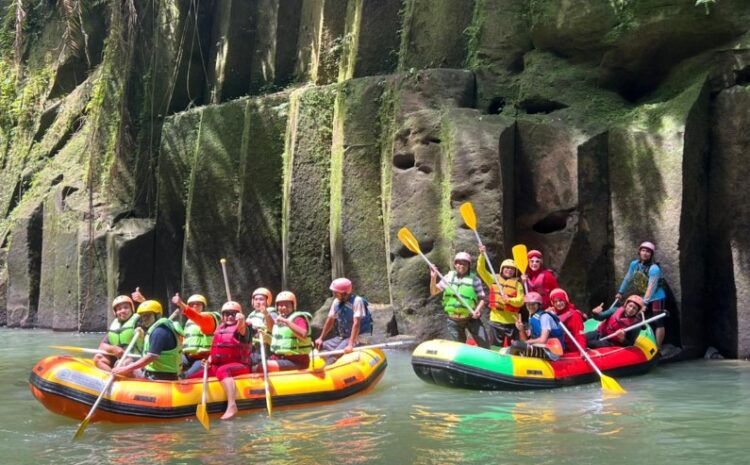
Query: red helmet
x,y
265,292
341,285
462,256
123,299
647,245
534,253
533,298
231,306
638,300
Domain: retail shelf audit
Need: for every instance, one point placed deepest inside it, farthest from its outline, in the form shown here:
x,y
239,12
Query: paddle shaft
x,y
581,350
263,362
371,346
226,279
82,349
653,318
489,264
453,289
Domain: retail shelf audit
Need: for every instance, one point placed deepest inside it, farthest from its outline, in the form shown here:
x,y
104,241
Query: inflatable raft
x,y
453,364
70,385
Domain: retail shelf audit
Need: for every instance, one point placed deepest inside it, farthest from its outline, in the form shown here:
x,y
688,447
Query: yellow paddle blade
x,y
612,386
467,213
202,415
269,406
81,428
520,256
408,239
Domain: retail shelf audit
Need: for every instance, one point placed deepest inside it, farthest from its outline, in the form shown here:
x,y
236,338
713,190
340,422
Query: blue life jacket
x,y
535,323
345,317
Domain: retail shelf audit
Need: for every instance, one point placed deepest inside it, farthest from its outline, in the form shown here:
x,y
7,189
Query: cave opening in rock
x,y
555,221
404,161
496,105
536,105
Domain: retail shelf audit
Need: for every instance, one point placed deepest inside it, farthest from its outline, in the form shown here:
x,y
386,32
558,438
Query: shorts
x,y
653,308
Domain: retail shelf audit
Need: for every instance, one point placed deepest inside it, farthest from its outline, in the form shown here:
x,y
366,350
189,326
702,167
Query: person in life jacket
x,y
469,288
261,318
504,302
120,333
230,348
545,338
347,313
197,344
162,347
570,316
291,341
644,278
629,314
538,278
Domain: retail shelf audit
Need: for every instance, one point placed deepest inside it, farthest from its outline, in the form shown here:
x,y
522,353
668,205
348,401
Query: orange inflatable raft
x,y
69,386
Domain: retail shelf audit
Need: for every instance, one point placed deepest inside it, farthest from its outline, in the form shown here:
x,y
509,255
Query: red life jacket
x,y
617,321
226,348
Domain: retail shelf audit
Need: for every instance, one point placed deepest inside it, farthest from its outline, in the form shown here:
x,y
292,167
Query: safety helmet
x,y
150,306
286,296
508,263
197,298
341,285
462,256
231,306
638,300
647,245
123,299
533,298
534,253
559,294
265,292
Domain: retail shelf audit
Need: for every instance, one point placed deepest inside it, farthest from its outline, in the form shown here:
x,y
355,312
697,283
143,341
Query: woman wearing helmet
x,y
470,293
162,346
538,278
261,318
627,315
545,338
120,333
291,343
347,313
570,316
505,302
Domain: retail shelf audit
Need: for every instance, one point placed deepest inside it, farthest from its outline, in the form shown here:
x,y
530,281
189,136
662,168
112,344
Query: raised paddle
x,y
383,345
653,318
608,384
226,280
85,423
201,411
470,218
411,243
521,257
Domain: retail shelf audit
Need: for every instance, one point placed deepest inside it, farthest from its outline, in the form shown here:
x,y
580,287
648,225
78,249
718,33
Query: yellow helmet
x,y
198,298
150,306
265,292
123,299
508,263
286,296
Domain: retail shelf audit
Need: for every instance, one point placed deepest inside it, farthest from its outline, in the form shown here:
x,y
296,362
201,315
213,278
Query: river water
x,y
687,413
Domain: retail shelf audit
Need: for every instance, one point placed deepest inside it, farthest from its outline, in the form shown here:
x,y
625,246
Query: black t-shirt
x,y
161,339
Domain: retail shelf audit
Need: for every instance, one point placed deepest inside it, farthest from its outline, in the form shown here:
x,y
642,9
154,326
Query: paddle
x,y
266,384
226,280
470,218
85,423
521,257
371,346
608,384
200,412
411,243
81,349
653,318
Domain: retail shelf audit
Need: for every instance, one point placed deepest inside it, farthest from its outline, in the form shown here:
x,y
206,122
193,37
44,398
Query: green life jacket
x,y
120,334
257,320
169,361
195,341
284,342
465,287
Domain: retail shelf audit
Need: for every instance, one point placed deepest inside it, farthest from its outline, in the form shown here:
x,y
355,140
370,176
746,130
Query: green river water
x,y
687,413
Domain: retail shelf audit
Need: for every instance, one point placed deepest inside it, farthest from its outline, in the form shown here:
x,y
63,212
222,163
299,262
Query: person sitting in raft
x,y
538,278
230,349
162,346
469,287
570,316
645,278
197,344
261,318
347,313
545,338
504,303
615,322
120,334
291,343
